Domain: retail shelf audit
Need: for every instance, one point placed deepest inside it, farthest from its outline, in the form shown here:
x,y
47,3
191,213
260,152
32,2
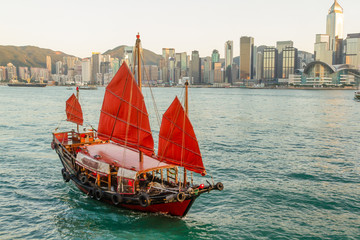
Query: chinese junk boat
x,y
117,164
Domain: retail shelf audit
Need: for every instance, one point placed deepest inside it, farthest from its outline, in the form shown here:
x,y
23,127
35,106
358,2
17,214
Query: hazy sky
x,y
79,27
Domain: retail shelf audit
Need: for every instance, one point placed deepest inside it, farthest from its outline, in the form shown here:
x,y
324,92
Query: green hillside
x,y
28,56
150,58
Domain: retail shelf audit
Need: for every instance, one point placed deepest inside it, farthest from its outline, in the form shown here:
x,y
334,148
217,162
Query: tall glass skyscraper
x,y
228,60
246,57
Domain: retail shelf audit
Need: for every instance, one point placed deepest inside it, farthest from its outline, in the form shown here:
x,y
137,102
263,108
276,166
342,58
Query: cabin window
x,y
125,185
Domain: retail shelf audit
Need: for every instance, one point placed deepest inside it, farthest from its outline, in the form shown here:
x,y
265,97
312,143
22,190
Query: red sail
x,y
73,111
124,118
177,141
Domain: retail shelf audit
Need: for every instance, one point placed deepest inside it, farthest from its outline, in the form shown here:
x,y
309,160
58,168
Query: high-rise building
x,y
11,71
195,68
86,70
207,69
95,67
335,25
215,58
228,60
289,62
280,46
246,57
352,50
167,54
48,63
270,64
59,68
329,47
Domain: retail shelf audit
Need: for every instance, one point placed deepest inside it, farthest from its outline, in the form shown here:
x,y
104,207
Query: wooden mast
x,y
187,113
77,97
137,47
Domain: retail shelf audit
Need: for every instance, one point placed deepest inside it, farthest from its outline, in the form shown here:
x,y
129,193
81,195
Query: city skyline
x,y
94,28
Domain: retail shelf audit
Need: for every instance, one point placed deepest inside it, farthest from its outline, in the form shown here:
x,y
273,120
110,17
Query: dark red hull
x,y
179,209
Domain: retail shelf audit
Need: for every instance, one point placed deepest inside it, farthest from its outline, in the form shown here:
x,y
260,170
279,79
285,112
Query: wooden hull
x,y
158,205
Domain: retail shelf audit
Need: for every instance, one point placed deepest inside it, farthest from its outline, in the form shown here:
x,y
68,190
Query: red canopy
x,y
177,141
73,110
124,118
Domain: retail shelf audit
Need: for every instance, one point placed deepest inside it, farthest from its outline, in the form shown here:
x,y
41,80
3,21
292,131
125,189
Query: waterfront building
x,y
320,74
228,60
352,50
95,67
86,70
270,56
246,58
289,61
24,73
280,46
2,73
39,74
11,71
195,68
48,63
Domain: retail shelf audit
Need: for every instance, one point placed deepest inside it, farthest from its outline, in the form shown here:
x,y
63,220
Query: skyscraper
x,y
289,64
246,58
48,63
95,66
335,24
195,67
280,46
352,50
228,60
215,58
269,65
86,70
329,47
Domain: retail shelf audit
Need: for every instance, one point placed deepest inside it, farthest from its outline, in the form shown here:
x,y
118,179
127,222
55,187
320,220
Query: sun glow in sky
x,y
80,27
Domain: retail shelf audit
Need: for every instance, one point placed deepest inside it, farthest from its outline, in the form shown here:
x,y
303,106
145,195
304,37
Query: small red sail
x,y
73,110
124,118
177,141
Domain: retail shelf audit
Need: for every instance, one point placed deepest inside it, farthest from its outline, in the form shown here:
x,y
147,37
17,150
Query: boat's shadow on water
x,y
85,218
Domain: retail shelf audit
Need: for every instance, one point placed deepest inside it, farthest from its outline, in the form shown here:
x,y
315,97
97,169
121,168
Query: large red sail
x,y
73,110
124,118
177,141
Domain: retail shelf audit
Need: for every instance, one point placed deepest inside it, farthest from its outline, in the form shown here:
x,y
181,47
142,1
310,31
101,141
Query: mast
x,y
187,113
137,47
77,97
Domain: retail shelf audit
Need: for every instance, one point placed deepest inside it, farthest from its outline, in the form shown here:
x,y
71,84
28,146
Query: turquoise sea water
x,y
289,161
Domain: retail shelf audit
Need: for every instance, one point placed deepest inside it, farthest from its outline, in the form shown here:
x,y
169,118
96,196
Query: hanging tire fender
x,y
98,194
116,199
219,186
84,179
66,175
144,200
181,196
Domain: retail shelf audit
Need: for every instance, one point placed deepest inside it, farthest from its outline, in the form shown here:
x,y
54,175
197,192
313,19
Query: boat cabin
x,y
117,168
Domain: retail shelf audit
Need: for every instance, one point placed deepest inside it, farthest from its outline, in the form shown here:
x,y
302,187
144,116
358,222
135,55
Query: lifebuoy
x,y
144,200
181,196
220,186
116,199
66,175
98,194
